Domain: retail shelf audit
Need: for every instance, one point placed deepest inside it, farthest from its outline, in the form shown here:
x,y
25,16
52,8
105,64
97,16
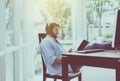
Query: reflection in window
x,y
9,27
101,18
58,11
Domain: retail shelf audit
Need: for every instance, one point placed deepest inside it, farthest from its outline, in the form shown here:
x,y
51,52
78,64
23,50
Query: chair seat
x,y
59,76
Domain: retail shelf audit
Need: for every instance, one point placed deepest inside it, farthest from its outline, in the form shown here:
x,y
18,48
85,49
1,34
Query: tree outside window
x,y
59,11
9,27
100,18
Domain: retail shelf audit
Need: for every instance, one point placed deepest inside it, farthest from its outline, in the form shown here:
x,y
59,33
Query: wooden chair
x,y
58,76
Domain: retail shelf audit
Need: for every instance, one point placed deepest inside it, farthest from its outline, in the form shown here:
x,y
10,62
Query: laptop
x,y
83,44
91,51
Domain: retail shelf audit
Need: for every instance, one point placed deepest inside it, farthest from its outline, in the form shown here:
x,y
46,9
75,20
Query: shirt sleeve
x,y
48,52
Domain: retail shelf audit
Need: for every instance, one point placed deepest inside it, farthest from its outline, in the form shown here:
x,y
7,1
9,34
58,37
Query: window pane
x,y
101,16
9,27
58,11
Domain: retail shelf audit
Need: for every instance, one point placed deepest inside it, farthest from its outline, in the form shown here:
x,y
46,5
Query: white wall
x,y
9,67
6,62
19,65
2,69
24,57
30,35
78,21
2,43
2,24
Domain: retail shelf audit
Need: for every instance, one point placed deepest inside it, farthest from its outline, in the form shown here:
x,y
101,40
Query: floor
x,y
90,74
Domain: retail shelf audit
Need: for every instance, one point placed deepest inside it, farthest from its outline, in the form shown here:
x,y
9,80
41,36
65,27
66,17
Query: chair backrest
x,y
42,36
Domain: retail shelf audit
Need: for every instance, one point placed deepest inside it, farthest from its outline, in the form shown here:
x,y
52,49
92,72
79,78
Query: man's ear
x,y
47,29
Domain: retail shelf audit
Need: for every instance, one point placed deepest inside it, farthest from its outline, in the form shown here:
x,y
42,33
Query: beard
x,y
54,35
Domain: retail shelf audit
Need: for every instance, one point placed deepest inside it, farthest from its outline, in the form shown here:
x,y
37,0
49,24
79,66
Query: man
x,y
52,50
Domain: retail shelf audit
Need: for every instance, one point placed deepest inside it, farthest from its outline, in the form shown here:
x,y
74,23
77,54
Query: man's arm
x,y
58,60
49,53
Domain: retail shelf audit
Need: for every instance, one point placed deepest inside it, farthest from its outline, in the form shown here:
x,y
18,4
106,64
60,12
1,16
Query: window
x,y
100,18
9,26
58,11
2,25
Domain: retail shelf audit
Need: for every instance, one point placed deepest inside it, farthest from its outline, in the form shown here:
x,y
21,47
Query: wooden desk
x,y
107,59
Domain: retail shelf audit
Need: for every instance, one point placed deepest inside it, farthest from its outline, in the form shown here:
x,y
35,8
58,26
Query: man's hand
x,y
70,50
58,60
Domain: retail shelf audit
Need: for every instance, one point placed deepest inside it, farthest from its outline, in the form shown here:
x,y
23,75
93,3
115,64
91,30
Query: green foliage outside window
x,y
60,12
9,27
96,9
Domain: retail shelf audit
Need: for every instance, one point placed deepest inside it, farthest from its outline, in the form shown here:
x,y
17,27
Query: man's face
x,y
55,31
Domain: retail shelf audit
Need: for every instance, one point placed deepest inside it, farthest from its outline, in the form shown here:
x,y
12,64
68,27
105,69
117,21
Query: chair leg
x,y
79,78
55,79
44,78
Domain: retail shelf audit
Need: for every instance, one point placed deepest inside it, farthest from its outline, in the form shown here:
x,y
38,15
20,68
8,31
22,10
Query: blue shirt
x,y
50,50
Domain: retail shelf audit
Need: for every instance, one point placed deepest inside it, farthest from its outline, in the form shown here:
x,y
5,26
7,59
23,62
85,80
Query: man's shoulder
x,y
46,41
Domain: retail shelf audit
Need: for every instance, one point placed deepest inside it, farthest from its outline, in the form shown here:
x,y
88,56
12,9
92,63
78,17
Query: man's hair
x,y
50,27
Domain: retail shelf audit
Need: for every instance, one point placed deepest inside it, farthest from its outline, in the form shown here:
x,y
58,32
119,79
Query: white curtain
x,y
79,20
2,25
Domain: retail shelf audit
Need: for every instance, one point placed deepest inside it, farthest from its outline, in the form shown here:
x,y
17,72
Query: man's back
x,y
50,50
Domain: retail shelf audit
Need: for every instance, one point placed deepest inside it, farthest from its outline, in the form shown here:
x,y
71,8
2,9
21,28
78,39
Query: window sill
x,y
11,49
66,41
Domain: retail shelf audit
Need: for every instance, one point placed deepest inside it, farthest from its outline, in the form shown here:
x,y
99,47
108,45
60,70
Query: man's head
x,y
53,30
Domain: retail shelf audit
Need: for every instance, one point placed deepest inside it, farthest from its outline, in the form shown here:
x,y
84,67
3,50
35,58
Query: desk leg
x,y
117,74
64,69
